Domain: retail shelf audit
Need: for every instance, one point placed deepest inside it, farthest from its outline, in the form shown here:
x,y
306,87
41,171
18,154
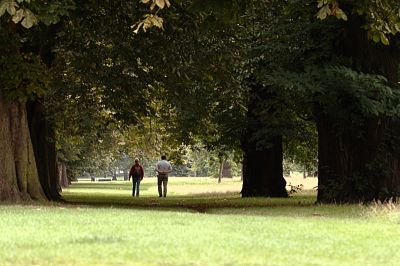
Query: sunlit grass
x,y
199,223
148,187
177,186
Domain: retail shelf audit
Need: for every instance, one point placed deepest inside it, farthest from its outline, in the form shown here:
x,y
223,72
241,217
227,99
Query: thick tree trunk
x,y
263,170
355,162
18,172
43,140
263,155
347,158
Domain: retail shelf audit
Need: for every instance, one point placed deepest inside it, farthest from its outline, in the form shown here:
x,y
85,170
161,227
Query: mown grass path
x,y
200,223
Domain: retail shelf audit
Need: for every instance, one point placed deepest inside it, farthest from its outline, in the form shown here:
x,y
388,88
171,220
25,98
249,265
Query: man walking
x,y
137,174
163,168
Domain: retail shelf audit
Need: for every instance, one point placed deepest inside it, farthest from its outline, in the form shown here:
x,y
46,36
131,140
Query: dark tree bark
x,y
263,156
263,170
43,140
355,162
346,160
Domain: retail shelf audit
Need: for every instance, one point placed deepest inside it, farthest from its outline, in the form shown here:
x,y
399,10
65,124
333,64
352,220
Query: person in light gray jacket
x,y
163,168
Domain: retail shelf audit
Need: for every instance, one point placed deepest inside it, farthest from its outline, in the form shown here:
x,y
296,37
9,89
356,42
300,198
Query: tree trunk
x,y
43,140
355,163
263,153
62,173
114,174
18,172
221,167
263,170
345,160
227,169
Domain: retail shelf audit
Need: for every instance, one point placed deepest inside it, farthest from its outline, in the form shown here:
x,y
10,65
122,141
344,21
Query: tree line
x,y
312,81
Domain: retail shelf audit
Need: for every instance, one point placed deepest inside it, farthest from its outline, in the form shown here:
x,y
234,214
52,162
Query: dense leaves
x,y
228,76
382,17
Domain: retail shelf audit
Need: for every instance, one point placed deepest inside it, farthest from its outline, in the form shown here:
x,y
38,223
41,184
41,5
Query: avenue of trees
x,y
84,84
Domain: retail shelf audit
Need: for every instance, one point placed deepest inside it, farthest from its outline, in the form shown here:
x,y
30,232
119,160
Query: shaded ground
x,y
193,195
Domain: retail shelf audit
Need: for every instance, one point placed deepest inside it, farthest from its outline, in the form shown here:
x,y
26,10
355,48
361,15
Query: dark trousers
x,y
162,180
135,186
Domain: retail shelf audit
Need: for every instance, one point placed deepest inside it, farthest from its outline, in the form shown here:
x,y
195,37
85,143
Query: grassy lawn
x,y
199,223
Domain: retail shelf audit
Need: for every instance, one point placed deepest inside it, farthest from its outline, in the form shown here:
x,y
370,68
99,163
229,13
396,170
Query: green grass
x,y
101,224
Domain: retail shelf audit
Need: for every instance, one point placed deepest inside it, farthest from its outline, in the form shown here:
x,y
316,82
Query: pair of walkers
x,y
163,168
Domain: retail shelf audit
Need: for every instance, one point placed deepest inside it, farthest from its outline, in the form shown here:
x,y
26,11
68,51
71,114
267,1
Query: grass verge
x,y
102,225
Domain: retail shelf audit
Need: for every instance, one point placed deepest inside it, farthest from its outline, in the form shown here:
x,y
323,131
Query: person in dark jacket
x,y
137,174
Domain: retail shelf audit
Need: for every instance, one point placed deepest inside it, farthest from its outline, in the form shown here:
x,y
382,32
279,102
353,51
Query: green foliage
x,y
151,20
29,13
23,76
348,95
103,87
52,12
18,12
330,8
382,17
301,148
281,39
227,11
98,65
119,95
198,96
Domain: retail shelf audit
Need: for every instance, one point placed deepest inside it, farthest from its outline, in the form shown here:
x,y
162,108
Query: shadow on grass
x,y
101,195
298,205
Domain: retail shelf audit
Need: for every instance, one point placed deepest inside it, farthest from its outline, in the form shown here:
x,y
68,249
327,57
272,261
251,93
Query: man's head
x,y
163,157
136,160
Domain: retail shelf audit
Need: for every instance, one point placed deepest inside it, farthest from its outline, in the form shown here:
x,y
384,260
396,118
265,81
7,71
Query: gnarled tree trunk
x,y
19,177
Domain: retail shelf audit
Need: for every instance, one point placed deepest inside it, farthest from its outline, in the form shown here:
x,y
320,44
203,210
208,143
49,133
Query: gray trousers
x,y
162,179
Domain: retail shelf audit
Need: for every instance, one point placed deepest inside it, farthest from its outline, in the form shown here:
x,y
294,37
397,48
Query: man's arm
x,y
130,173
156,169
159,169
141,173
169,168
